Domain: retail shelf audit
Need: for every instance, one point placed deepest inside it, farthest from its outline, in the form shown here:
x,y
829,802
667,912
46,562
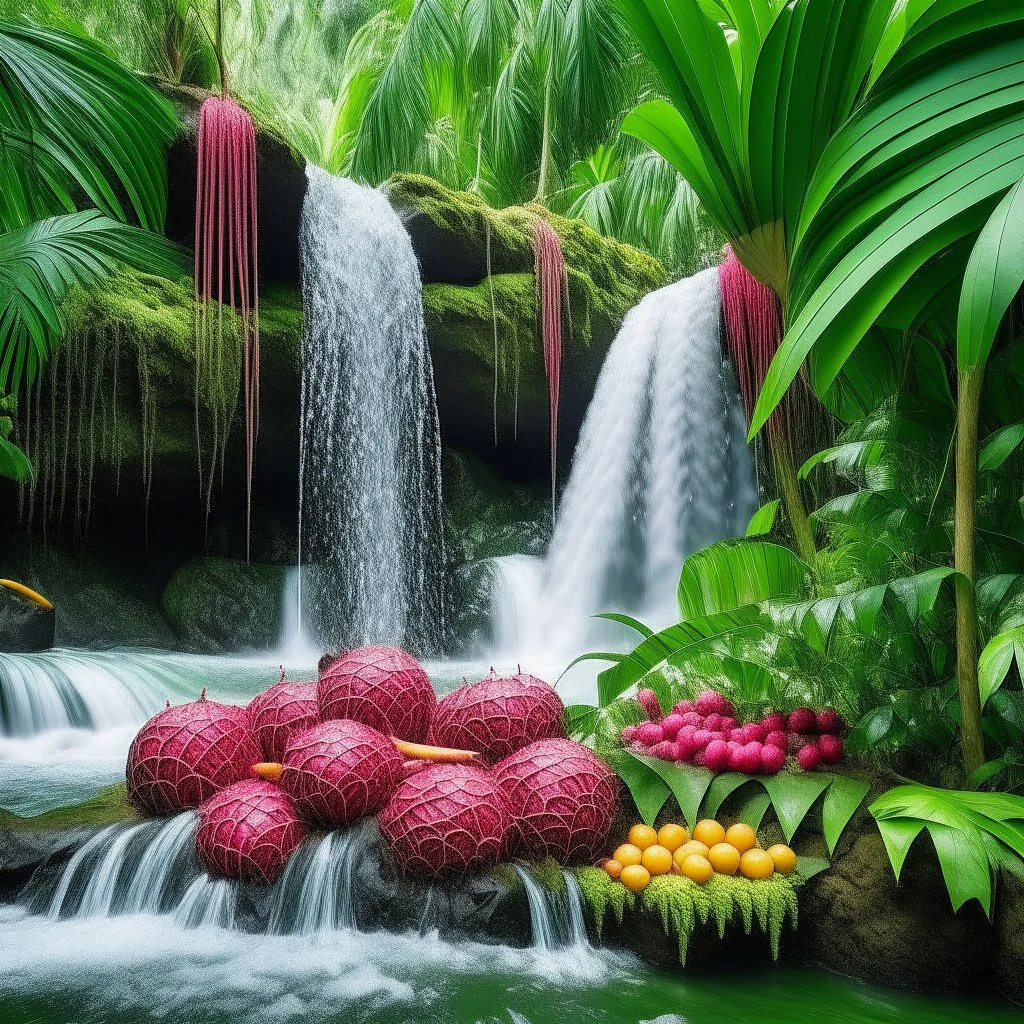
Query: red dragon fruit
x,y
339,771
444,819
185,754
564,799
248,831
382,687
498,715
280,713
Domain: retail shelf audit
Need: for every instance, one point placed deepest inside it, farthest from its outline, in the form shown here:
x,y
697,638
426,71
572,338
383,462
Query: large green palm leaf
x,y
40,263
71,117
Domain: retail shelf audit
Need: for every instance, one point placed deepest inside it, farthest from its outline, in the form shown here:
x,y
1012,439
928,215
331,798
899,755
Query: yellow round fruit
x,y
757,864
709,832
743,837
725,858
697,868
635,877
688,850
783,858
628,854
613,867
643,836
672,837
657,860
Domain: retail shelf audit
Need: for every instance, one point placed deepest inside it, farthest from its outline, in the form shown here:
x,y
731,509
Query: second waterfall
x,y
370,463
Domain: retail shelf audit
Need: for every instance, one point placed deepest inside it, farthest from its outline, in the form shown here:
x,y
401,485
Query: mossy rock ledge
x,y
480,303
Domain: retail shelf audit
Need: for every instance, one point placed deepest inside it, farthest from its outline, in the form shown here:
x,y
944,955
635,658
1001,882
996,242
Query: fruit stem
x,y
269,770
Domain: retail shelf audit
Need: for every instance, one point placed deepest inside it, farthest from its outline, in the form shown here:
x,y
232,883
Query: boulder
x,y
219,606
856,919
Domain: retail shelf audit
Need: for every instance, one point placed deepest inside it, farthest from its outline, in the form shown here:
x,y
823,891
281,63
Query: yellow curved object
x,y
20,588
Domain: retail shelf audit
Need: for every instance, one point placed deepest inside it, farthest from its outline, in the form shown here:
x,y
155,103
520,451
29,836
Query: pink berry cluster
x,y
705,732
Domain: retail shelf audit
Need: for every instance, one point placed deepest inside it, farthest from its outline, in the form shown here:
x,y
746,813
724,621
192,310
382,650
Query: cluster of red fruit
x,y
705,732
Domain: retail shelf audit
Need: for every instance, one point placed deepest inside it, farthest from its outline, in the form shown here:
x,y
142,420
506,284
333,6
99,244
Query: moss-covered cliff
x,y
480,302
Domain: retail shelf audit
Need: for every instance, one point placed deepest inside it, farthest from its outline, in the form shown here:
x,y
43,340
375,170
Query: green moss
x,y
120,390
606,279
682,905
219,605
107,807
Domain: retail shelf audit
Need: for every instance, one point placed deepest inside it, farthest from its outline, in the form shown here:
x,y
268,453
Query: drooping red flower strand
x,y
552,292
753,328
226,270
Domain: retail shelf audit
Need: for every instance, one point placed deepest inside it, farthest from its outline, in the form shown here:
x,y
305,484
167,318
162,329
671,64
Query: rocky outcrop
x,y
219,606
480,302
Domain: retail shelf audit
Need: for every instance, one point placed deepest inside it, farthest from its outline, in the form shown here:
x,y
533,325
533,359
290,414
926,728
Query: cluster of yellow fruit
x,y
712,848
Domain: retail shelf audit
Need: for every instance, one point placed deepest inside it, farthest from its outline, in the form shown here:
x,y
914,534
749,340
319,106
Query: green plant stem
x,y
545,147
968,405
789,488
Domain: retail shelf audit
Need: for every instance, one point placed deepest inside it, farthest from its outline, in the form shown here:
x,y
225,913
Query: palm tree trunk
x,y
545,147
968,406
789,489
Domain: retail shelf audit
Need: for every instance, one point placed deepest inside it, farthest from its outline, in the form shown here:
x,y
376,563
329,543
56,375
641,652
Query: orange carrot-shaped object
x,y
269,770
425,752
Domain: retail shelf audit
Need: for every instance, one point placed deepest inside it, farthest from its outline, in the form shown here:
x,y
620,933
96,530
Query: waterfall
x,y
661,470
370,470
314,894
98,690
208,902
556,917
127,869
294,645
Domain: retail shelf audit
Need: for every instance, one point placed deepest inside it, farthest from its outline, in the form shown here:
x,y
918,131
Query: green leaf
x,y
808,867
998,447
793,795
723,786
842,798
763,520
975,834
735,573
580,720
39,264
999,654
71,118
13,463
687,784
995,272
647,788
673,646
627,620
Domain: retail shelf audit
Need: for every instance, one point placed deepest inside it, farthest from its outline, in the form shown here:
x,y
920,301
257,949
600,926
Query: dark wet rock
x,y
1009,924
855,919
215,605
24,625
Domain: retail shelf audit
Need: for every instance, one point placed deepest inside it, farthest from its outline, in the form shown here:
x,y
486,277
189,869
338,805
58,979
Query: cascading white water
x,y
370,476
556,918
661,470
208,902
314,895
128,869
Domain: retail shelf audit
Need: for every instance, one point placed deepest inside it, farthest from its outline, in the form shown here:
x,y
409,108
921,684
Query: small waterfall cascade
x,y
142,867
661,469
314,894
294,645
99,690
370,461
556,917
151,867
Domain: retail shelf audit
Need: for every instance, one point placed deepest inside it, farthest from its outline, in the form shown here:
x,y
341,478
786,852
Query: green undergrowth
x,y
107,807
681,905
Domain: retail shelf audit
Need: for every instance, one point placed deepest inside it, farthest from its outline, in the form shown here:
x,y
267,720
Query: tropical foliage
x,y
82,188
